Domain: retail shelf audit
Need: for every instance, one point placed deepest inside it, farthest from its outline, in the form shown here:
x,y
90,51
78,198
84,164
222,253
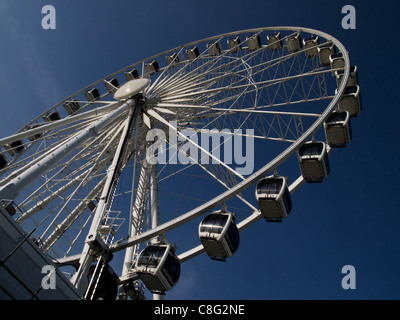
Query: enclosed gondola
x,y
219,235
254,42
52,116
158,267
337,61
172,59
310,46
151,67
92,94
353,77
132,74
274,41
214,48
72,106
192,53
273,197
294,43
111,85
338,129
313,160
351,101
324,53
234,44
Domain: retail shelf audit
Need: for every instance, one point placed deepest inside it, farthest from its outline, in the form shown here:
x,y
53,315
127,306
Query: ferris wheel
x,y
143,170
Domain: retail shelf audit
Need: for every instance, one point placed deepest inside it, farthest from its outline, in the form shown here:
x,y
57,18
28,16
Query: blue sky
x,y
350,219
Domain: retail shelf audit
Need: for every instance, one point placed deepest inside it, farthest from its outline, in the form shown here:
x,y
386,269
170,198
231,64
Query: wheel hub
x,y
131,88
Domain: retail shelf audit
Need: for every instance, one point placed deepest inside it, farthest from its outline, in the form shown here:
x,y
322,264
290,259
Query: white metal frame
x,y
175,93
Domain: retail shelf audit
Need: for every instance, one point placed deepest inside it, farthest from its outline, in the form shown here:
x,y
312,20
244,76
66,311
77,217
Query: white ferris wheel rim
x,y
240,186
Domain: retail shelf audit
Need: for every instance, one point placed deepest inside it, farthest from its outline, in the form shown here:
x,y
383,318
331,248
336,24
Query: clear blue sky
x,y
352,218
